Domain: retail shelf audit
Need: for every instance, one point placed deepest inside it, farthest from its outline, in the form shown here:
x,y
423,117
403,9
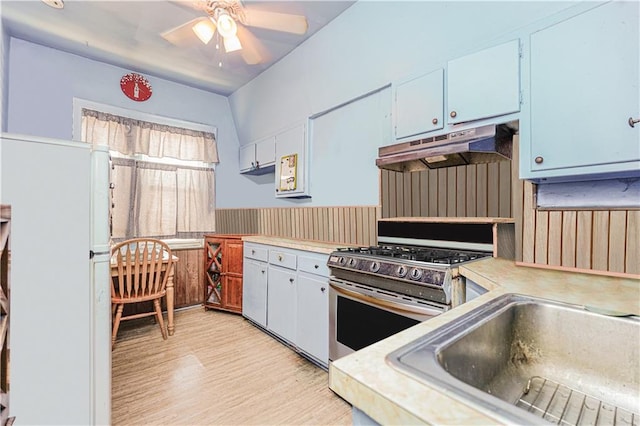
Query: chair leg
x,y
156,304
116,324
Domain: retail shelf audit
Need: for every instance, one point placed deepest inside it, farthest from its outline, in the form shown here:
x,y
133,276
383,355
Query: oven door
x,y
360,315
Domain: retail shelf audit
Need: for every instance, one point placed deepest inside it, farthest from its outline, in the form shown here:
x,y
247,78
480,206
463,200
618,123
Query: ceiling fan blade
x,y
295,24
183,35
253,51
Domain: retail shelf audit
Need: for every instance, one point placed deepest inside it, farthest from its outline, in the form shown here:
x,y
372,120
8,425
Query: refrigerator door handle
x,y
93,254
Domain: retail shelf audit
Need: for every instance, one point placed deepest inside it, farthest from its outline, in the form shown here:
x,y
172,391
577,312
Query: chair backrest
x,y
142,265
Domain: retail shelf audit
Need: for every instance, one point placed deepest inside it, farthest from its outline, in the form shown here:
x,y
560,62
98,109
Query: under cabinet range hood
x,y
486,144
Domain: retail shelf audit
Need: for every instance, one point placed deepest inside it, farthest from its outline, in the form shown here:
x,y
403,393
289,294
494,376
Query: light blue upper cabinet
x,y
584,91
484,84
259,157
292,163
419,105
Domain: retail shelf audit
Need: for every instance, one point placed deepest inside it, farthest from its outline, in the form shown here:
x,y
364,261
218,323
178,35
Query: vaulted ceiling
x,y
128,34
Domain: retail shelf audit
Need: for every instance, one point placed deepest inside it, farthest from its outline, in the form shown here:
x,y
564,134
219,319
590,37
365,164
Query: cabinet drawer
x,y
282,258
256,252
313,265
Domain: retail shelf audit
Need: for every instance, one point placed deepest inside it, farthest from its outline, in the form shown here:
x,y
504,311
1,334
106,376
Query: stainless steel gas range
x,y
410,276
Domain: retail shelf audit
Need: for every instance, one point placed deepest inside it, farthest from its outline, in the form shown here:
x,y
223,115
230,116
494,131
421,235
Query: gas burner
x,y
413,253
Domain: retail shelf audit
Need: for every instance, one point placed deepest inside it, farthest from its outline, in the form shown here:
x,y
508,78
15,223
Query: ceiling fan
x,y
230,18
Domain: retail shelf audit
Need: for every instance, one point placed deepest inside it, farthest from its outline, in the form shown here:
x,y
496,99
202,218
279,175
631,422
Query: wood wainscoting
x,y
482,190
589,240
348,225
188,278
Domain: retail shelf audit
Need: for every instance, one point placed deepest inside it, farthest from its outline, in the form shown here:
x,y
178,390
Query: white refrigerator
x,y
60,318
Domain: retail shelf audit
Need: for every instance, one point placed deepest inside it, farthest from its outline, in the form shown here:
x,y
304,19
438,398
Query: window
x,y
162,176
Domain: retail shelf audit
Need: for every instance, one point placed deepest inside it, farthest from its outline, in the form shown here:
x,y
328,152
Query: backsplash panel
x,y
598,240
349,224
482,190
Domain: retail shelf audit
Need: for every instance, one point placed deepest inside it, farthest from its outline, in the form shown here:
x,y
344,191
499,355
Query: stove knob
x,y
342,260
401,271
374,267
352,262
415,274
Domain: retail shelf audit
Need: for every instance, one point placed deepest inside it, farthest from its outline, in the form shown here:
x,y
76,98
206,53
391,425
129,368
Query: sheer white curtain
x,y
164,199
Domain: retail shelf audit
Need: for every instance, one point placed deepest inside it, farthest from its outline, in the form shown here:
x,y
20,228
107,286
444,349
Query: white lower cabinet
x,y
312,328
254,288
254,291
288,295
281,302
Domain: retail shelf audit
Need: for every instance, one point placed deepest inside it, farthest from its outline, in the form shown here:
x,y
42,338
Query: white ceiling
x,y
127,34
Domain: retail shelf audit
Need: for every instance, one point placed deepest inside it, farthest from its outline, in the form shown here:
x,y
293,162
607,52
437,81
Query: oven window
x,y
359,325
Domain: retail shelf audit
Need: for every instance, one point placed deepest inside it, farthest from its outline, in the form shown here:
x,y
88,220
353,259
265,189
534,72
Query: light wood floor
x,y
217,369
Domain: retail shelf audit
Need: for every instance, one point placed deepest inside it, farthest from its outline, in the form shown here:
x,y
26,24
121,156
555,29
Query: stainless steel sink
x,y
535,361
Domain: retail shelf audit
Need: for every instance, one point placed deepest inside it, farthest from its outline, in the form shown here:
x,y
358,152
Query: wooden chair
x,y
143,266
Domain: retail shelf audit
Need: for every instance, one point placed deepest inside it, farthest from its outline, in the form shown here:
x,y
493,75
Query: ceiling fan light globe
x,y
231,44
204,30
227,27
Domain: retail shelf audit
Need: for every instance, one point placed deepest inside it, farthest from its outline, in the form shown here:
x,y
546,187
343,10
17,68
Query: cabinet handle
x,y
434,121
316,266
291,280
252,165
538,160
453,114
322,289
253,252
280,257
262,271
257,164
633,122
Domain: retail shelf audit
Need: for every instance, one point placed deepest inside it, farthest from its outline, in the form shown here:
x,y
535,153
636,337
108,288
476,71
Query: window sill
x,y
184,243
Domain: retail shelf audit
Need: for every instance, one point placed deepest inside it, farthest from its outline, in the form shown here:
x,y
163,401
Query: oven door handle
x,y
394,307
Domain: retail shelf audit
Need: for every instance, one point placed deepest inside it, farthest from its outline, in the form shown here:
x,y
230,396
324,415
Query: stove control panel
x,y
398,270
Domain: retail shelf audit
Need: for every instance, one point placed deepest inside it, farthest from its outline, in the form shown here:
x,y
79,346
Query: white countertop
x,y
388,396
307,245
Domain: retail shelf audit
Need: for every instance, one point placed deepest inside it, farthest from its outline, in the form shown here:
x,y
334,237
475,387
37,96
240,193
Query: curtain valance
x,y
130,136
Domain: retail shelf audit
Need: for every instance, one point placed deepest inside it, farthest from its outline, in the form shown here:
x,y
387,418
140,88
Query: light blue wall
x,y
372,44
44,82
4,76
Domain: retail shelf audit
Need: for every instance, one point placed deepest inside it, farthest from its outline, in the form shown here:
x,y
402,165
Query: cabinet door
x,y
232,257
484,84
419,104
281,303
247,157
254,291
232,293
266,152
584,88
312,334
291,142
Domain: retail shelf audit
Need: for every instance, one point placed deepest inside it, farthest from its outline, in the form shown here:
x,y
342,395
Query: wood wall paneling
x,y
188,278
569,230
463,191
583,239
349,224
554,240
600,241
632,249
617,240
